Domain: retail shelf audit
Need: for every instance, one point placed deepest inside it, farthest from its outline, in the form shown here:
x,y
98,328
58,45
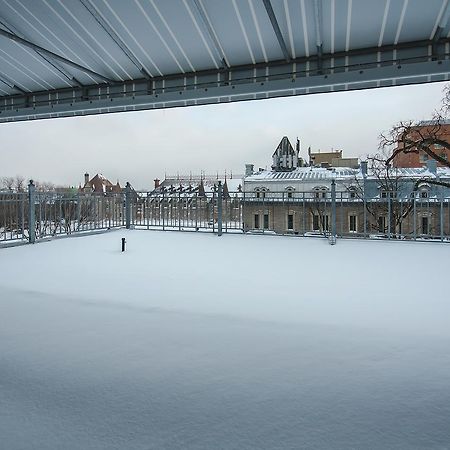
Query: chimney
x,y
432,165
86,178
156,180
363,166
249,170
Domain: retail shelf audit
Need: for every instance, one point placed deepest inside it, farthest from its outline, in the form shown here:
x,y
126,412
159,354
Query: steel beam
x,y
54,64
364,68
276,29
53,55
226,92
11,84
207,25
114,36
319,24
440,28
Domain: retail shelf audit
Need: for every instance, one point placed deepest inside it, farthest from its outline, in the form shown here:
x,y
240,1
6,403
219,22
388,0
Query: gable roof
x,y
284,147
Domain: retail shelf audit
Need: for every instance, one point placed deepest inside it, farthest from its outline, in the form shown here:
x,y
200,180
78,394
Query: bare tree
x,y
414,137
8,183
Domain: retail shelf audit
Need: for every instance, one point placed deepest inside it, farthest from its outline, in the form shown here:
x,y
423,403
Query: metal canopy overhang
x,y
60,58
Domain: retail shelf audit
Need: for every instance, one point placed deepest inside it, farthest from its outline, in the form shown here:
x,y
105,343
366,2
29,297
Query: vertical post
x,y
163,209
31,212
414,217
333,210
179,210
78,211
128,205
389,215
242,211
365,208
219,209
22,215
441,217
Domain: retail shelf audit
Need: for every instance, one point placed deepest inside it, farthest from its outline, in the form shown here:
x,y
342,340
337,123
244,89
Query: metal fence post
x,y
219,209
31,212
389,216
441,217
128,205
333,211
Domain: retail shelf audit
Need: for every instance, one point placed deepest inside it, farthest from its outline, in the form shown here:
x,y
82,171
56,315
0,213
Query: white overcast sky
x,y
139,146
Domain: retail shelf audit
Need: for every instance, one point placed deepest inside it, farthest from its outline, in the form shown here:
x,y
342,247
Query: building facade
x,y
400,201
417,158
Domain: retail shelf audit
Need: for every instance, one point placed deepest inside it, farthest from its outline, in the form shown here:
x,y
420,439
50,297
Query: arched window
x,y
352,193
320,192
290,192
261,192
423,190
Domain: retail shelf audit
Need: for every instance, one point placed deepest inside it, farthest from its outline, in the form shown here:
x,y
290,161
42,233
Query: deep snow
x,y
192,341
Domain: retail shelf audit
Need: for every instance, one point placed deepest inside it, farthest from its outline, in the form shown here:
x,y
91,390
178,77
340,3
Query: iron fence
x,y
13,216
35,215
342,214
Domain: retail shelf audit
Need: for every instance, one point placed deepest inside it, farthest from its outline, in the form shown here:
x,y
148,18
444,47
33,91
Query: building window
x,y
290,221
443,155
256,221
425,225
320,192
387,194
321,223
423,157
316,223
290,191
266,221
381,224
423,194
352,223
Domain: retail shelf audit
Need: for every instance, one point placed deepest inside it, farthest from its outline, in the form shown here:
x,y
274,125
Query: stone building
x,y
406,202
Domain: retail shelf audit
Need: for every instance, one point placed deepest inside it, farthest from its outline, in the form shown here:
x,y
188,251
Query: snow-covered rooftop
x,y
303,173
340,173
190,341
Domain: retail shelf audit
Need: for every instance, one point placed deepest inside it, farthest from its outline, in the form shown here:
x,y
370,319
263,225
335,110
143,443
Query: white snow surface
x,y
190,341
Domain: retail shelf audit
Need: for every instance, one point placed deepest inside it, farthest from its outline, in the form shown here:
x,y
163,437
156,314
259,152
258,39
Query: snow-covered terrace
x,y
188,341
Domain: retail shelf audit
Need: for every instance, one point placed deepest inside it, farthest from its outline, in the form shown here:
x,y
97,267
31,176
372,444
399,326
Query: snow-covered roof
x,y
341,173
304,174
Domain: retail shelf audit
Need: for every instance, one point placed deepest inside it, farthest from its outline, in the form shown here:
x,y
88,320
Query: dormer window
x,y
260,192
290,192
424,190
352,192
320,192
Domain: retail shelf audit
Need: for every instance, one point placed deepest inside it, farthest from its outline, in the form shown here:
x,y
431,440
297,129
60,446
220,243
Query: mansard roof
x,y
319,173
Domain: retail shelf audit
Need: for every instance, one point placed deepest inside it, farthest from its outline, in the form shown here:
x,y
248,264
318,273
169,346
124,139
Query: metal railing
x,y
27,216
30,216
328,214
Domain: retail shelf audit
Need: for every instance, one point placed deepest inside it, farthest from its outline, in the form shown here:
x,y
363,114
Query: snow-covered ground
x,y
190,341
